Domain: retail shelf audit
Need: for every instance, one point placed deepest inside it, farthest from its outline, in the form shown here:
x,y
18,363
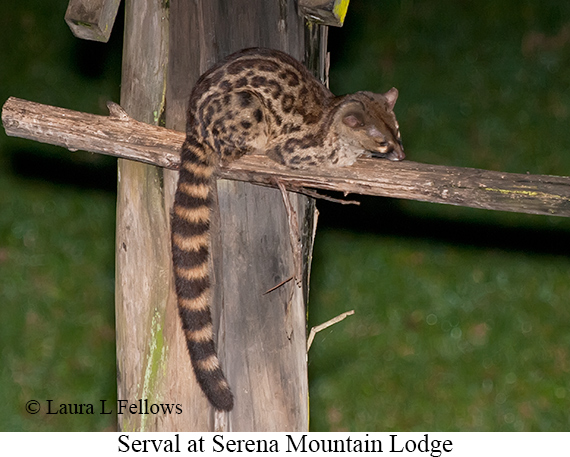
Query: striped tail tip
x,y
216,388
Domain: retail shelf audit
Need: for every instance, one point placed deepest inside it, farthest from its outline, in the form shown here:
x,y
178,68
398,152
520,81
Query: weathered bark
x,y
144,301
118,135
92,19
525,193
261,338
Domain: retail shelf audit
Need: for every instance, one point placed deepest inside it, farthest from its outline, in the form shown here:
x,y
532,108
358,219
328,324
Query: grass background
x,y
57,213
461,315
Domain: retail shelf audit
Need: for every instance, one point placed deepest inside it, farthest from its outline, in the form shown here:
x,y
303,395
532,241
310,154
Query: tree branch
x,y
117,134
121,136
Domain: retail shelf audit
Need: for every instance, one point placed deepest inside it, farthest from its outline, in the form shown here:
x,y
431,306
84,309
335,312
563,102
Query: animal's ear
x,y
391,96
353,119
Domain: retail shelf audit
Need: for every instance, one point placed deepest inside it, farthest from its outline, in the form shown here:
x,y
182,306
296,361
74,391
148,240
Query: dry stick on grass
x,y
127,138
318,328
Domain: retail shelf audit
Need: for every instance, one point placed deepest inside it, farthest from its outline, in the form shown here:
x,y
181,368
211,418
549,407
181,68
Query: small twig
x,y
293,233
325,325
315,194
285,281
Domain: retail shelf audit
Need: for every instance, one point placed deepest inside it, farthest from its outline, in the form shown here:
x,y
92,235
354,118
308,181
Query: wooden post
x,y
92,19
261,338
143,285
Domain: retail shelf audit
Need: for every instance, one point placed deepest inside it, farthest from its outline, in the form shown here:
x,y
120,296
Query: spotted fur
x,y
258,101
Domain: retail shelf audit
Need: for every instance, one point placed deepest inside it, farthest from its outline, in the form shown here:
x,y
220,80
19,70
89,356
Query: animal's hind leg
x,y
243,129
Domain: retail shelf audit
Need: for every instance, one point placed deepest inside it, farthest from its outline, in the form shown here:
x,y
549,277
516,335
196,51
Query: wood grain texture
x,y
92,19
112,135
525,193
147,348
264,360
514,192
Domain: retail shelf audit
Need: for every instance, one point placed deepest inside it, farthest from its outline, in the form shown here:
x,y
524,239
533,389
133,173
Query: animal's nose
x,y
396,155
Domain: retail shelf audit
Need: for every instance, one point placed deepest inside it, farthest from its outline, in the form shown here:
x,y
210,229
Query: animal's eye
x,y
353,121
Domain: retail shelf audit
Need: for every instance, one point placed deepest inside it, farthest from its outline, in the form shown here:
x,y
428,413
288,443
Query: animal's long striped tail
x,y
190,254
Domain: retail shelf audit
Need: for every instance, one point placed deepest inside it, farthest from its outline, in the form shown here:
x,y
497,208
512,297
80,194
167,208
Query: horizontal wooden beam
x,y
121,136
533,194
117,134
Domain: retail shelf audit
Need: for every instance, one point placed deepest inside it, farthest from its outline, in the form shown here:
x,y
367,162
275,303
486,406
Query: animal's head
x,y
367,120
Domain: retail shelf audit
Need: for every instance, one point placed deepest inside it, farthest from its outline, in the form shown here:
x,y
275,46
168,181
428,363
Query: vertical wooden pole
x,y
261,338
144,300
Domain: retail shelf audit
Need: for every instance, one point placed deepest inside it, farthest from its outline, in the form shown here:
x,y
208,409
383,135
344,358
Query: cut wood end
x,y
116,110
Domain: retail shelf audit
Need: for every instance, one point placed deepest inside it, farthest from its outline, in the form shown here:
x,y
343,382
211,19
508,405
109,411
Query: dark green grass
x,y
56,230
443,338
482,84
461,315
57,331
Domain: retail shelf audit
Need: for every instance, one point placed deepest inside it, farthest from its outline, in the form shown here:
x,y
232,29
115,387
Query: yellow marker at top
x,y
340,8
